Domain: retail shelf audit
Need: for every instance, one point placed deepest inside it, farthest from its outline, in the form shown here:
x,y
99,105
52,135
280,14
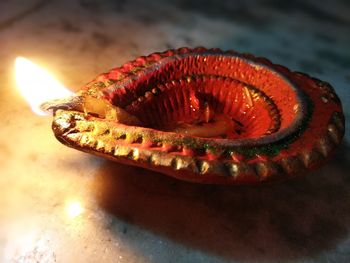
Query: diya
x,y
206,116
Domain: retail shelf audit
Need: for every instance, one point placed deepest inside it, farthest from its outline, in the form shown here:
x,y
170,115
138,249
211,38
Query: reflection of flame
x,y
37,85
74,209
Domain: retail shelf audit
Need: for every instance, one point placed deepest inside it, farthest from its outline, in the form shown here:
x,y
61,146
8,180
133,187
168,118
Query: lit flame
x,y
74,209
37,85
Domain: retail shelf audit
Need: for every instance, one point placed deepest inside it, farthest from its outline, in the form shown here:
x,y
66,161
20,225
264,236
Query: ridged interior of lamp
x,y
185,101
257,100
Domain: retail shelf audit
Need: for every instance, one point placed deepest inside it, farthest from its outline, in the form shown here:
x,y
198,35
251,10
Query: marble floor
x,y
61,205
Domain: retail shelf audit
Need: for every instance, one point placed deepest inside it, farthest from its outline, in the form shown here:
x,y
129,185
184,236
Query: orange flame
x,y
37,85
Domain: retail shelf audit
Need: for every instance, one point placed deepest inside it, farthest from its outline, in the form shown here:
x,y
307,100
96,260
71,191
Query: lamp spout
x,y
69,103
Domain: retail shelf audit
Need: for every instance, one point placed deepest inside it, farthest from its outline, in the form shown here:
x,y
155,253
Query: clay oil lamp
x,y
204,115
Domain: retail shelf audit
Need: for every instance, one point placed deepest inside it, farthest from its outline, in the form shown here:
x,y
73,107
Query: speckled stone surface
x,y
132,215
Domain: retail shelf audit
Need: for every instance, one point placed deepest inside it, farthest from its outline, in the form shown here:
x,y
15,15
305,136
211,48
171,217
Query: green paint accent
x,y
109,82
98,85
136,69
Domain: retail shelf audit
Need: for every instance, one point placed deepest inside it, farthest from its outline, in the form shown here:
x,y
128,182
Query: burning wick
x,y
37,85
44,94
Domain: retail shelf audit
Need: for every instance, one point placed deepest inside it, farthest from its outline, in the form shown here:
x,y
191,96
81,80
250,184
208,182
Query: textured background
x,y
132,215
